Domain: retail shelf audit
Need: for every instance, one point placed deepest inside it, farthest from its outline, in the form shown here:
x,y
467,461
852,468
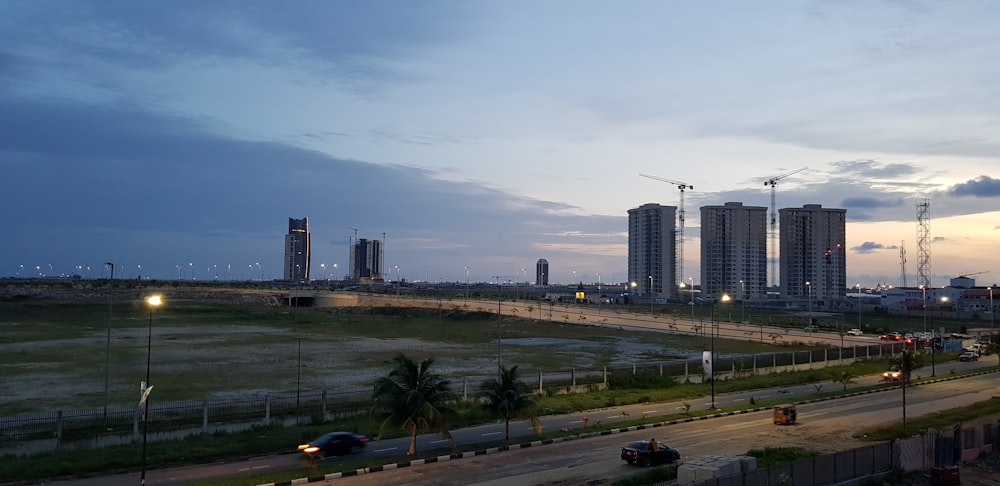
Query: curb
x,y
586,435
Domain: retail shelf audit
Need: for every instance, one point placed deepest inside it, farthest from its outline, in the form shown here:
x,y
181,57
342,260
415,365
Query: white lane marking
x,y
252,468
387,449
491,433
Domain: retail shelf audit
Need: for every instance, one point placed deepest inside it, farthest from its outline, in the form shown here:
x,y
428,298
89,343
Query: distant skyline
x,y
486,135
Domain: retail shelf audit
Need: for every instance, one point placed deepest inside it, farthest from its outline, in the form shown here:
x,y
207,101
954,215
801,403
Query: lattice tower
x,y
902,264
924,242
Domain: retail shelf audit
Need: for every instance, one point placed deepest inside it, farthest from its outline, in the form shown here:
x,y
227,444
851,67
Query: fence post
x,y
633,369
572,373
59,428
661,369
267,409
755,364
605,376
465,388
793,360
774,361
540,389
204,417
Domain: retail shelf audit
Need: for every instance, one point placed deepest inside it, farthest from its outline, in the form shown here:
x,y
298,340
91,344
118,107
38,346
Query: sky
x,y
177,138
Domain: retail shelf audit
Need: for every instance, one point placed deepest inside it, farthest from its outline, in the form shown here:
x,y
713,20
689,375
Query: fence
x,y
98,427
934,449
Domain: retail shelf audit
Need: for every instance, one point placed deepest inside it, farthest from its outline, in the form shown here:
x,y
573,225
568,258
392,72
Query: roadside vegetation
x,y
262,440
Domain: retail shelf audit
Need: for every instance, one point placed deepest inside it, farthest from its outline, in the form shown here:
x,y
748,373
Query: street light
x,y
631,294
154,301
859,305
991,309
923,304
715,329
691,304
810,289
650,295
743,301
107,347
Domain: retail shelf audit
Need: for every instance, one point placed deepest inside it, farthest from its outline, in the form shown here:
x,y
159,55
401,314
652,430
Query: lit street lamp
x,y
743,300
810,289
715,330
859,305
154,301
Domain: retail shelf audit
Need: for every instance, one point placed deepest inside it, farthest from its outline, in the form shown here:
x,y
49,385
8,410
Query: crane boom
x,y
773,181
679,238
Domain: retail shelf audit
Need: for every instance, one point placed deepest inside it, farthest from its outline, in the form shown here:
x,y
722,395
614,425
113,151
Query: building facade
x,y
366,261
542,272
813,255
297,250
652,252
734,251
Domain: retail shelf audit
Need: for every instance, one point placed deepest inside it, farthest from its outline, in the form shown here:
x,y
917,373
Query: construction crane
x,y
774,219
967,275
679,241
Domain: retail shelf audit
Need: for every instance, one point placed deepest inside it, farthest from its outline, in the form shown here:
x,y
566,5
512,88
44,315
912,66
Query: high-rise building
x,y
542,272
297,248
366,261
813,256
734,251
651,250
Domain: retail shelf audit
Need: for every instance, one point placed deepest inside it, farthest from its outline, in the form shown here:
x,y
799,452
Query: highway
x,y
824,426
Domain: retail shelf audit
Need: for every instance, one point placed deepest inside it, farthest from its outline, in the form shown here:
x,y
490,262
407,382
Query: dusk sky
x,y
486,135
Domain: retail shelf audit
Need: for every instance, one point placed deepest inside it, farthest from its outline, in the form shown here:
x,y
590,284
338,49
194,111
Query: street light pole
x,y
107,347
650,295
743,300
810,289
715,330
691,304
153,301
923,304
859,306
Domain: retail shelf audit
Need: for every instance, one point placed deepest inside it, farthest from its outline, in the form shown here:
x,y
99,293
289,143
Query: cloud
x,y
871,247
982,186
870,203
873,169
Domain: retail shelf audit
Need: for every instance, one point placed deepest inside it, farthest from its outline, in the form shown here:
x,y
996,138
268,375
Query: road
x,y
822,427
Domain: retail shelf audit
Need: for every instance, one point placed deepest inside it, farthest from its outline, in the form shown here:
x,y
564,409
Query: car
x,y
969,356
855,332
960,335
892,374
640,453
334,444
810,329
892,336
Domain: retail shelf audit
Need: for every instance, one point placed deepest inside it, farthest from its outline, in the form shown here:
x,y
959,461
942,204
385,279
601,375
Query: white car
x,y
855,332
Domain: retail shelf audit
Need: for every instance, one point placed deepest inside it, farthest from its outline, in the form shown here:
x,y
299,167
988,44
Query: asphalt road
x,y
597,457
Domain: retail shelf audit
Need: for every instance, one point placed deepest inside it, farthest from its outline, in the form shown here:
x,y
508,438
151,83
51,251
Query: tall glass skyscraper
x,y
297,248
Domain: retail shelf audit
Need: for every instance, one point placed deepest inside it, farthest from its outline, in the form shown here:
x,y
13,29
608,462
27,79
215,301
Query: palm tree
x,y
908,360
413,398
844,378
510,398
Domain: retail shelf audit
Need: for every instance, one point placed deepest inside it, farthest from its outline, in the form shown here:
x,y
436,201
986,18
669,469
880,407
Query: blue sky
x,y
486,134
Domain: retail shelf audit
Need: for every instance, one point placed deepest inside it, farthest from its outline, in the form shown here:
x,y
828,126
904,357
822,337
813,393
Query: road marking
x,y
252,468
439,441
385,450
489,433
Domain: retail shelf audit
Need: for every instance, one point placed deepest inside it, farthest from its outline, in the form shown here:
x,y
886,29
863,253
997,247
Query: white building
x,y
652,250
734,251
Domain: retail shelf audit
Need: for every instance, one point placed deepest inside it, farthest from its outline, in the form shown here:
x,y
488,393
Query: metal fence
x,y
95,427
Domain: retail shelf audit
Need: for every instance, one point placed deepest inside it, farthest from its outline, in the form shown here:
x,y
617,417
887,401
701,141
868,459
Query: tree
x,y
510,398
844,378
413,398
908,361
994,346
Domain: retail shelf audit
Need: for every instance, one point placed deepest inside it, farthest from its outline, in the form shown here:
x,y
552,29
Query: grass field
x,y
56,353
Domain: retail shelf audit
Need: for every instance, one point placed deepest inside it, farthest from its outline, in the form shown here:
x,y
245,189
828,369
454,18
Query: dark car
x,y
334,444
640,453
969,356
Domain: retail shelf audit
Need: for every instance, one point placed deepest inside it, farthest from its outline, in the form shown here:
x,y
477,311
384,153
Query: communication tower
x,y
924,242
